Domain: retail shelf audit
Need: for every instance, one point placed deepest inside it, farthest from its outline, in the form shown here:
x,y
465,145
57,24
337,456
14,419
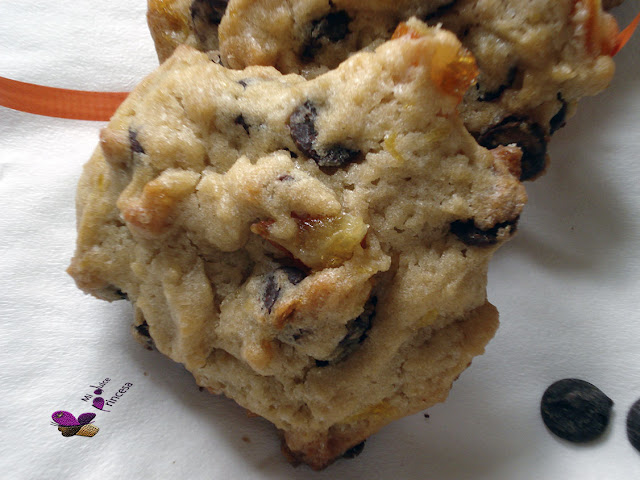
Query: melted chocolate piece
x,y
529,136
271,292
303,132
333,26
143,329
473,236
575,410
241,121
134,144
357,330
354,451
294,275
559,119
275,282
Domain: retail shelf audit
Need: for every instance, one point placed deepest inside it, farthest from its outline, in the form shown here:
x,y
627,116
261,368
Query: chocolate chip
x,y
293,154
143,329
271,292
134,144
303,129
205,14
357,330
491,95
529,136
354,451
633,425
277,280
333,26
575,410
559,119
294,275
473,236
243,83
303,132
241,121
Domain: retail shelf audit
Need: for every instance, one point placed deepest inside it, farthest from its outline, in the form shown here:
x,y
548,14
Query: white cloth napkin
x,y
567,287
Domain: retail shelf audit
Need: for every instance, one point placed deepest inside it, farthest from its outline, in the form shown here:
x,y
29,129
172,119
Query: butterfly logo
x,y
70,426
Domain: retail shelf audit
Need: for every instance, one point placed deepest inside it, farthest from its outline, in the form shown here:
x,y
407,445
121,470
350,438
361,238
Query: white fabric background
x,y
567,287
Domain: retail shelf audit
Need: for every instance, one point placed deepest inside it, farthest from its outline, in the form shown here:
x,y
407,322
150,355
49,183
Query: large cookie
x,y
537,58
316,250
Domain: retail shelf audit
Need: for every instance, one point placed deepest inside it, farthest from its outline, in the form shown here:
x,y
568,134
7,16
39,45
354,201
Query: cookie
x,y
536,58
190,22
316,250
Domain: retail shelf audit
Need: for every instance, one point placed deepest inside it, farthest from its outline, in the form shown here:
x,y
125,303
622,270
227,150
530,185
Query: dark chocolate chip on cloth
x,y
575,410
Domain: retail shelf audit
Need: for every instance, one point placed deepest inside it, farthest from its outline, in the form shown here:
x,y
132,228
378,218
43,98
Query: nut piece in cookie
x,y
316,249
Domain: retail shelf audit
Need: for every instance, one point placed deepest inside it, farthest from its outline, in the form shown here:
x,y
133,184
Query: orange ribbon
x,y
59,102
624,36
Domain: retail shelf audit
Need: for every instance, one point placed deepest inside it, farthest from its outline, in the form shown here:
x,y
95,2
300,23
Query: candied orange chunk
x,y
320,242
407,30
457,75
453,67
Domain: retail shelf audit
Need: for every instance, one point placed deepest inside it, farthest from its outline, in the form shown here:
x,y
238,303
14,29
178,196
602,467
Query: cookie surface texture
x,y
317,249
536,58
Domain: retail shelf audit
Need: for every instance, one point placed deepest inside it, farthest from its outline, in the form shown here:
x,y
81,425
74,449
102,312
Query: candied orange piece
x,y
453,67
407,30
320,242
457,75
